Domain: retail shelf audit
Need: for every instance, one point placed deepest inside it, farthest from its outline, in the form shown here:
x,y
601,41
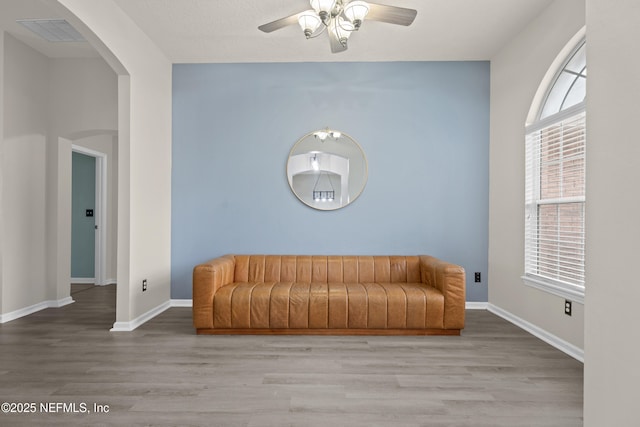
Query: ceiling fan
x,y
339,18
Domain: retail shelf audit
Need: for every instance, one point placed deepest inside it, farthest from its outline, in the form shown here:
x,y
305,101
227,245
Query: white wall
x,y
58,98
83,96
83,107
45,99
1,163
23,175
83,103
144,155
517,71
612,347
59,167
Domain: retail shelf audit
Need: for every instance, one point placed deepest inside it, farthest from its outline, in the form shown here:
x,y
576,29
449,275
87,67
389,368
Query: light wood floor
x,y
163,374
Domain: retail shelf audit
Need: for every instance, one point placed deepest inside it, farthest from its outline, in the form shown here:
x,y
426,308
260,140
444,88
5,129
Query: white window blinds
x,y
555,202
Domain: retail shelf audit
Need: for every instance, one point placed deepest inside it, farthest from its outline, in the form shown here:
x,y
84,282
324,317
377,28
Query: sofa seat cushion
x,y
293,305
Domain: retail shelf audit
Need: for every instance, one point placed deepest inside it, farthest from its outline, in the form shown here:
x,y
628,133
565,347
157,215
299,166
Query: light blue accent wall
x,y
424,127
83,196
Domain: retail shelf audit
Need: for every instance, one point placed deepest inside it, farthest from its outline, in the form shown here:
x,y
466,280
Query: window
x,y
555,185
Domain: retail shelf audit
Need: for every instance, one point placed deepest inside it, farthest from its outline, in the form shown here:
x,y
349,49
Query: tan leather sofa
x,y
363,295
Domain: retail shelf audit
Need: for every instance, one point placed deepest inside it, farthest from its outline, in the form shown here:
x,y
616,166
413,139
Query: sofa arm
x,y
450,280
207,279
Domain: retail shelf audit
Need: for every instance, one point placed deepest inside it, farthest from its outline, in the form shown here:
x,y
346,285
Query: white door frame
x,y
100,212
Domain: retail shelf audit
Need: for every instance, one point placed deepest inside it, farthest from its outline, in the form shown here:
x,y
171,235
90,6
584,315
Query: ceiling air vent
x,y
53,30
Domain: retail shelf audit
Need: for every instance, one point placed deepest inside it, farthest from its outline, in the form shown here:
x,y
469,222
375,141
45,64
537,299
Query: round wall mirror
x,y
327,169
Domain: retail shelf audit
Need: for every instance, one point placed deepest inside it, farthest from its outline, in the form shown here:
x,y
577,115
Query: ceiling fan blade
x,y
279,23
391,14
334,41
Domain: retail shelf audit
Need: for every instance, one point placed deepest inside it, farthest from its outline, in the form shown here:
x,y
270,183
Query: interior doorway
x,y
88,216
83,210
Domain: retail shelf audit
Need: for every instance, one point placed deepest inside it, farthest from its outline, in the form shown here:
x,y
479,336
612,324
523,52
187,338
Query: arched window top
x,y
570,85
555,196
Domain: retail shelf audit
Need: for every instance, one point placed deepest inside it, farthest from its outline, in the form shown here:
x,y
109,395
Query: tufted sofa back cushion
x,y
326,269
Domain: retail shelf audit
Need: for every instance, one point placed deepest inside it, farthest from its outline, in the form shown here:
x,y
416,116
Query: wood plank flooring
x,y
163,374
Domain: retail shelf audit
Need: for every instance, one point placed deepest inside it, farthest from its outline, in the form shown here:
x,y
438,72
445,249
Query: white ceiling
x,y
192,31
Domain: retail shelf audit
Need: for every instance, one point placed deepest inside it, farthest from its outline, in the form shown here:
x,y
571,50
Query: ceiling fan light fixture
x,y
309,22
339,18
356,11
323,8
343,29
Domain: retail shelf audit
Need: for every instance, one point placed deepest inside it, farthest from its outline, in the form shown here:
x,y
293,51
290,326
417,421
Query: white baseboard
x,y
61,302
562,345
181,303
83,280
16,314
469,305
473,305
90,281
130,326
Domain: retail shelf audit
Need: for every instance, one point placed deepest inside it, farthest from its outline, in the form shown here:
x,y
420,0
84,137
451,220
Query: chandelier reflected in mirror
x,y
327,194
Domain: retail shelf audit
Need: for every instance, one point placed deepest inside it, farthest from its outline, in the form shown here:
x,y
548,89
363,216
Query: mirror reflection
x,y
327,169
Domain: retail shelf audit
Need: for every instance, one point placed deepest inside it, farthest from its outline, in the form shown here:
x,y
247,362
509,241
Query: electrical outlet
x,y
477,277
144,285
567,307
